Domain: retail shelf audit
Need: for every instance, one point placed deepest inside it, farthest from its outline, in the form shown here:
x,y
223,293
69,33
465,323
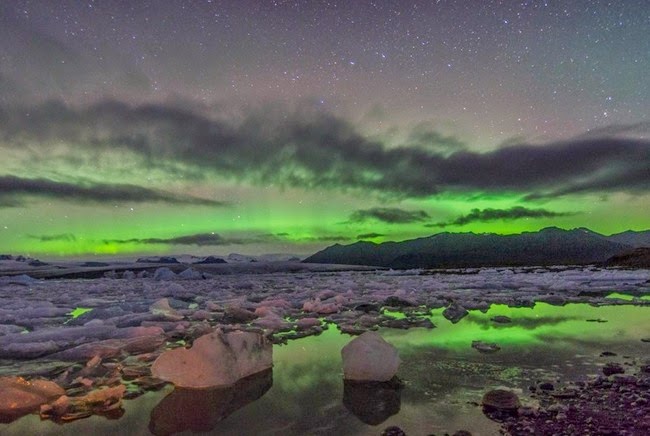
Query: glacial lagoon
x,y
443,378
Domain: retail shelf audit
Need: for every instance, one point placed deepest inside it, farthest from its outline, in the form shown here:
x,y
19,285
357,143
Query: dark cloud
x,y
214,239
425,136
370,235
390,215
311,149
12,187
636,180
64,237
514,213
326,238
201,239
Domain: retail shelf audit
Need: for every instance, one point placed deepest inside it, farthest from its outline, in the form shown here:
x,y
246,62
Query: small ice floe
x,y
21,279
485,347
164,273
455,312
190,274
106,401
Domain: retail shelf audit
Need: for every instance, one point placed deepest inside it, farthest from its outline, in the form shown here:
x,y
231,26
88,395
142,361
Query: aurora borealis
x,y
285,126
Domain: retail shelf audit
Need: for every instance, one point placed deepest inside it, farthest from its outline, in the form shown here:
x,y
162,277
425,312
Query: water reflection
x,y
444,377
372,402
200,410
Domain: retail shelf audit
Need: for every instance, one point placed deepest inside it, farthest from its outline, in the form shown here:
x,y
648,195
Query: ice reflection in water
x,y
199,410
444,378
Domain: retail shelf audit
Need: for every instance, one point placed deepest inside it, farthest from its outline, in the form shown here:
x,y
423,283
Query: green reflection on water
x,y
627,297
619,296
443,375
531,326
78,311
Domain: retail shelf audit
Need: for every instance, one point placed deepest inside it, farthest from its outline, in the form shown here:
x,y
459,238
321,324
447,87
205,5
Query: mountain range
x,y
549,246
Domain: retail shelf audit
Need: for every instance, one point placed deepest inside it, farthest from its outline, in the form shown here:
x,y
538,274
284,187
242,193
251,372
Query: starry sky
x,y
211,127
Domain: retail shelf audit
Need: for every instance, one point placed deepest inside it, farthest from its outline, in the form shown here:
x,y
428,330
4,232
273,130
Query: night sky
x,y
285,126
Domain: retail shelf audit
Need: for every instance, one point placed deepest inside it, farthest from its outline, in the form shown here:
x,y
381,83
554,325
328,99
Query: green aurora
x,y
289,221
248,127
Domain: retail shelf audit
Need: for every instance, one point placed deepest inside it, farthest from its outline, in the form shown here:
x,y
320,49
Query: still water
x,y
443,378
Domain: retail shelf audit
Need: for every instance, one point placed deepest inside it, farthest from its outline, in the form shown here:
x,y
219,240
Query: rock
x,y
501,319
369,357
613,368
215,359
393,430
161,259
37,262
164,273
19,397
210,260
455,312
485,347
546,386
499,403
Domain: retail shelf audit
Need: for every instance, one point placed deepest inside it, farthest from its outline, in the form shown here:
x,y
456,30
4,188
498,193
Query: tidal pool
x,y
443,378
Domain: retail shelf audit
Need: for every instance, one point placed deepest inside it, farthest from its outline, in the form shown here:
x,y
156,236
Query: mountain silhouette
x,y
549,246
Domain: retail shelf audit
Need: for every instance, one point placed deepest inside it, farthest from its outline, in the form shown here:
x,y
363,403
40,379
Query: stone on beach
x,y
215,359
369,358
499,403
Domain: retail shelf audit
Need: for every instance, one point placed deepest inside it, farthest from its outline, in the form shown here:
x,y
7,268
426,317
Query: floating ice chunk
x,y
19,397
162,307
22,279
369,358
164,273
455,312
190,274
215,359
